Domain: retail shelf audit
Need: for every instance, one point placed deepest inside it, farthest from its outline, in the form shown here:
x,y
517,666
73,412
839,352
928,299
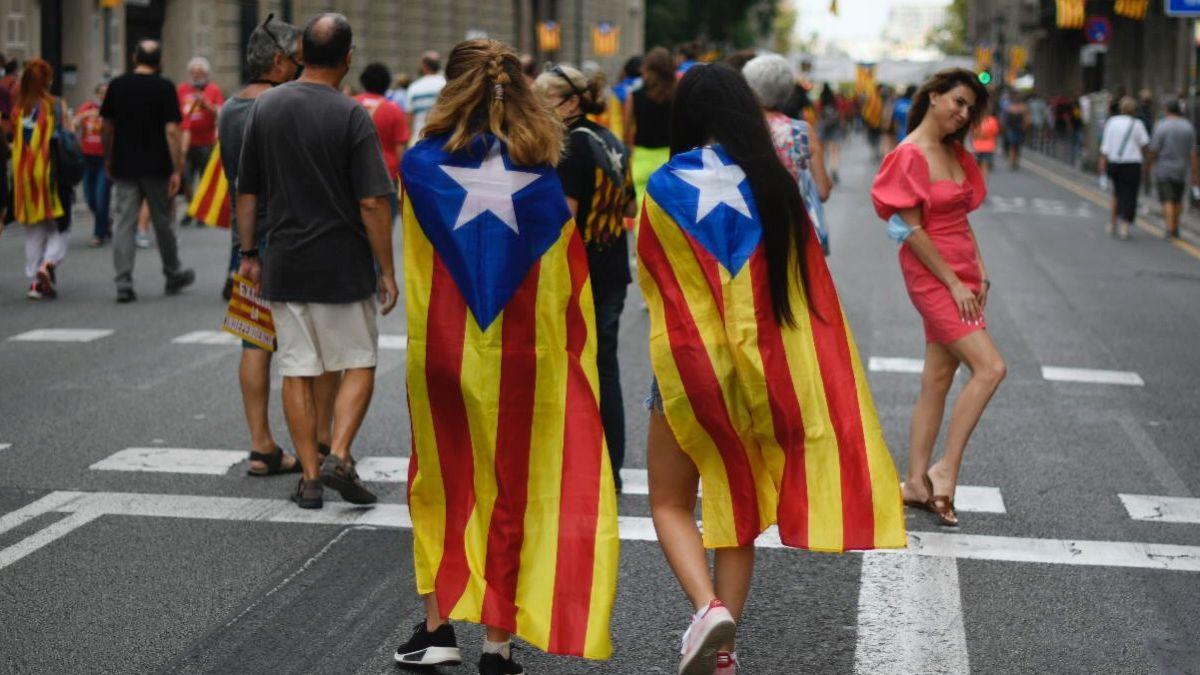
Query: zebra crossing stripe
x,y
1162,509
891,364
1091,376
172,460
387,341
62,335
1167,557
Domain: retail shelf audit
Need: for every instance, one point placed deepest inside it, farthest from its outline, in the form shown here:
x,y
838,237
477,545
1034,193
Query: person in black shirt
x,y
143,155
596,179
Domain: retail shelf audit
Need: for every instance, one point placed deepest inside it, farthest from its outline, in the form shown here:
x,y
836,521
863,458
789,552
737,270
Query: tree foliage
x,y
725,23
951,36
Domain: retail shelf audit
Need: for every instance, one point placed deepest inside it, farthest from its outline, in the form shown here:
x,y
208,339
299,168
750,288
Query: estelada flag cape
x,y
778,419
210,203
510,489
35,191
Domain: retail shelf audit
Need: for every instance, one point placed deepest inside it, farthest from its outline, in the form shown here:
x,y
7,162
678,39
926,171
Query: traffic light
x,y
985,78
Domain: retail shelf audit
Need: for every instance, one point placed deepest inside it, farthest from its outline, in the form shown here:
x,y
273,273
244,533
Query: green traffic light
x,y
985,77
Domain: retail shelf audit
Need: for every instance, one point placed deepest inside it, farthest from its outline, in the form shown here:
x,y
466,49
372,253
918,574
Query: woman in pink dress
x,y
925,189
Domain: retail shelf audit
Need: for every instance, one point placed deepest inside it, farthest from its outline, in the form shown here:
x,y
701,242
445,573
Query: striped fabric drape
x,y
35,192
211,203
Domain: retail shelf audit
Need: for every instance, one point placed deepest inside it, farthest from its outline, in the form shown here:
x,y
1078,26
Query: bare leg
x,y
300,411
987,371
1171,215
673,482
144,218
734,570
936,380
254,374
325,388
350,407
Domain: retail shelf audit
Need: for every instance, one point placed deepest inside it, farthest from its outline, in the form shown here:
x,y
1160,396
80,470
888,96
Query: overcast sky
x,y
862,19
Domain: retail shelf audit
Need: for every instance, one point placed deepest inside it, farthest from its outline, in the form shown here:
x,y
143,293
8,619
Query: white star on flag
x,y
718,184
489,187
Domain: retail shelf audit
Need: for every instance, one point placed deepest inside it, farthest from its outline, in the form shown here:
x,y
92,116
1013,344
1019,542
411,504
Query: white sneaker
x,y
712,628
141,240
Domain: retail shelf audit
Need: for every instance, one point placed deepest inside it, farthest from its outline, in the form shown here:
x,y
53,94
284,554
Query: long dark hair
x,y
713,103
942,82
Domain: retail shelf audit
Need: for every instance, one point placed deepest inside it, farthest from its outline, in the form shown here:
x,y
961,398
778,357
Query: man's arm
x,y
175,148
106,140
247,225
376,215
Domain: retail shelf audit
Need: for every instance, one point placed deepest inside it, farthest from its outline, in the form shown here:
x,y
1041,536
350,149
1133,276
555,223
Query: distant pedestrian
x,y
598,184
830,129
1168,157
200,100
925,190
97,187
1016,127
647,117
983,143
143,154
423,93
314,156
1121,154
38,201
389,119
900,123
398,94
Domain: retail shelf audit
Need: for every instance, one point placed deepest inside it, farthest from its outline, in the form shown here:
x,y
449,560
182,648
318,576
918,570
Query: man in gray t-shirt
x,y
1169,157
314,155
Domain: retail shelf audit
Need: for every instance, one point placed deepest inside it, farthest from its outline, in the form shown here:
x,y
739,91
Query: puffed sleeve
x,y
902,182
974,176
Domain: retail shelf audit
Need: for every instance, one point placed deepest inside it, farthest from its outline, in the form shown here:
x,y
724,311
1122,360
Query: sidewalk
x,y
1149,207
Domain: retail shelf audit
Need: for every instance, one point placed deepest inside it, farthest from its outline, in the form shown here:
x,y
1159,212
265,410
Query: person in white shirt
x,y
423,93
1121,150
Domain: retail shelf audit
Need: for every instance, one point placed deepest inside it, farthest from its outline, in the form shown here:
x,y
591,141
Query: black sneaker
x,y
125,295
495,664
179,281
342,476
309,494
424,648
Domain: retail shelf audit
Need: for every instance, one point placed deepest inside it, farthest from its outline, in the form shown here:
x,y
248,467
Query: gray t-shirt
x,y
314,153
231,125
1172,143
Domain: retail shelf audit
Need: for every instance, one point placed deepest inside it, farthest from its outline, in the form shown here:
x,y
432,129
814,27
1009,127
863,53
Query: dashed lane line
x,y
172,460
1092,376
89,505
62,335
1162,509
224,339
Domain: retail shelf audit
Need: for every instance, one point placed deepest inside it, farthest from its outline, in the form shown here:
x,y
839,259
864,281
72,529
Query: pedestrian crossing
x,y
62,335
219,338
894,364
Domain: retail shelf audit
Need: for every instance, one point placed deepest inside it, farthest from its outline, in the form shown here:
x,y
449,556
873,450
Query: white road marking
x,y
910,616
891,364
62,335
1157,462
383,469
207,337
1162,509
172,460
5,446
1091,376
1168,557
978,499
399,342
44,536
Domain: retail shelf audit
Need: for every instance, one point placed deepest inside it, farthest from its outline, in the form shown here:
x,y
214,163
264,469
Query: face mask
x,y
200,84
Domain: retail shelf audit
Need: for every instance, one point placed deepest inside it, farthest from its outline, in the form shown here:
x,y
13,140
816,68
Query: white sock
x,y
502,648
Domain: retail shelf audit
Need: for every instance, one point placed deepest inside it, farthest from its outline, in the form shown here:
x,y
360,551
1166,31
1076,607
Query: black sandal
x,y
324,451
274,462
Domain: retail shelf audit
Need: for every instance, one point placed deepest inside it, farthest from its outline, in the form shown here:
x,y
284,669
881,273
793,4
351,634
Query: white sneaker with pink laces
x,y
727,663
712,628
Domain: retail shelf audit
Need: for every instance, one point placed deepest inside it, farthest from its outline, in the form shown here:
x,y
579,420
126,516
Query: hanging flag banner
x,y
1018,58
210,204
864,79
983,58
1131,9
549,36
606,38
1070,13
249,316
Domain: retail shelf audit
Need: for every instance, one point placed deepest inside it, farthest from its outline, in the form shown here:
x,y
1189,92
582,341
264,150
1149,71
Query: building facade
x,y
90,40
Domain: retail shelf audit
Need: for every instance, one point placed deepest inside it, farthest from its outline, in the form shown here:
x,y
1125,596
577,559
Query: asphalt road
x,y
214,573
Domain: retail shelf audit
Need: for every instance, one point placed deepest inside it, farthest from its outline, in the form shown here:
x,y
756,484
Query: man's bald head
x,y
148,53
327,40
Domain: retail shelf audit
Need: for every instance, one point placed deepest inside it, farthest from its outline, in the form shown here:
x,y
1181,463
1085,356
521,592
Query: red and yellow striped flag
x,y
1070,13
210,203
1131,9
779,420
35,194
606,38
510,488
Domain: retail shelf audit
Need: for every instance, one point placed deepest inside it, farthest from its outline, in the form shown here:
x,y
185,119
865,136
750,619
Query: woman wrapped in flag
x,y
510,489
759,394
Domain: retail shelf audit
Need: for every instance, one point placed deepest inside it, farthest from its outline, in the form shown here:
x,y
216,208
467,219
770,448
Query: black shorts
x,y
1170,191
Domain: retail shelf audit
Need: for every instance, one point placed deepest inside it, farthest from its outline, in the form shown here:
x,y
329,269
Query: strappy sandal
x,y
274,462
942,506
324,451
923,504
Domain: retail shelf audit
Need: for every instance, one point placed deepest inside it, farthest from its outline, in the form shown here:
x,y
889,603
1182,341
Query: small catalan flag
x,y
210,205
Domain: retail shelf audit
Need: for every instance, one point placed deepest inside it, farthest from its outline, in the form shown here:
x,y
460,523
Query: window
x,y
16,34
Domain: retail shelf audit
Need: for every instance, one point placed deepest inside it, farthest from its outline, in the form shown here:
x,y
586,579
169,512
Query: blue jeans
x,y
97,191
609,304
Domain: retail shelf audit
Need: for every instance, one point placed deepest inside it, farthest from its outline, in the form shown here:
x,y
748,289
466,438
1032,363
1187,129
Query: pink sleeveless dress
x,y
903,183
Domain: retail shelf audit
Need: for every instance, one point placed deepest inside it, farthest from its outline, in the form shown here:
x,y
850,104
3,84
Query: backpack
x,y
66,154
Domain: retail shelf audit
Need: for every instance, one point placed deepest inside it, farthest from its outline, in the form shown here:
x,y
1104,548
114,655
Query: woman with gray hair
x,y
1125,138
772,79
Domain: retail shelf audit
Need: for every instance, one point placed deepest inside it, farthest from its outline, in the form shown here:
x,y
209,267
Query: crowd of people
x,y
520,191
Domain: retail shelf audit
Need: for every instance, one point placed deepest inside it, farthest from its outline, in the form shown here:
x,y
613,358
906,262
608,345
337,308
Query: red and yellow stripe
x,y
210,203
510,488
779,420
35,194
